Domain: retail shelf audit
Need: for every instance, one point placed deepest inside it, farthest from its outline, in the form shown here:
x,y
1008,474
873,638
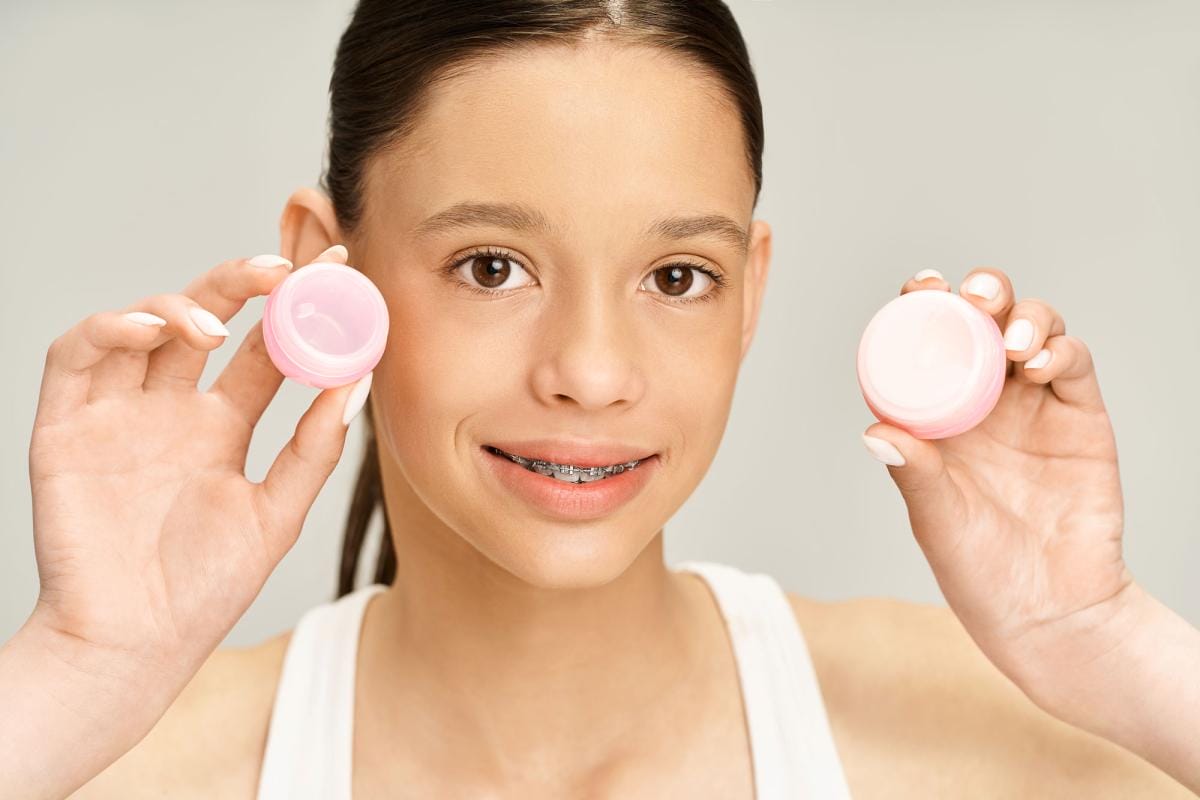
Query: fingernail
x,y
267,260
338,250
142,318
207,322
985,285
357,398
928,273
1040,360
883,450
1019,335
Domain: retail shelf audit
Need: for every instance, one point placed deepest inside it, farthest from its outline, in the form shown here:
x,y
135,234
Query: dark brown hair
x,y
395,51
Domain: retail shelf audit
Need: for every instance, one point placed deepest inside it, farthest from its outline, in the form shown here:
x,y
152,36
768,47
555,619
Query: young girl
x,y
556,200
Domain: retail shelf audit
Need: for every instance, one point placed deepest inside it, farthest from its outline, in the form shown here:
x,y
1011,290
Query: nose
x,y
588,354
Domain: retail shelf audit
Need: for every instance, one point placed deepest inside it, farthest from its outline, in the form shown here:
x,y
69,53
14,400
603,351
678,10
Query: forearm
x,y
1143,693
66,714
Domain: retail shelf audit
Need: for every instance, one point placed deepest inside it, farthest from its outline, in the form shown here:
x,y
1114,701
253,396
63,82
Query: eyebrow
x,y
524,219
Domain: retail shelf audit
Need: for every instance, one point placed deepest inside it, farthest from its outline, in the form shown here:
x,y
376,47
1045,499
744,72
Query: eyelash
x,y
718,279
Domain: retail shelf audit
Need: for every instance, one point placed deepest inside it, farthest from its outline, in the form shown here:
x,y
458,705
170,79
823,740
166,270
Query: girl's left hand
x,y
1021,517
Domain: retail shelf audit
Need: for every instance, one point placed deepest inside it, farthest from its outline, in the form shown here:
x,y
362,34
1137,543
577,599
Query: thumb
x,y
306,462
936,508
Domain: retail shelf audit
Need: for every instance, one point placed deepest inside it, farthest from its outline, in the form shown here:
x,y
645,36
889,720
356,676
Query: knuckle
x,y
157,304
54,351
91,325
227,282
230,275
1041,305
147,300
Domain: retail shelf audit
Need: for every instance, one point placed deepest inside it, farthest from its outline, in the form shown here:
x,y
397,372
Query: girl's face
x,y
557,314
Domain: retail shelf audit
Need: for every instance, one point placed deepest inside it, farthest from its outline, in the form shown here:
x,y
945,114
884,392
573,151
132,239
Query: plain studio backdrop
x,y
144,142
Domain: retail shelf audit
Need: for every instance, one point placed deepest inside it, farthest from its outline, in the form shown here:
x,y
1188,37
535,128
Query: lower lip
x,y
571,500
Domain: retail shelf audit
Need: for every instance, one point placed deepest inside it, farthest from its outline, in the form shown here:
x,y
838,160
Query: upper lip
x,y
577,452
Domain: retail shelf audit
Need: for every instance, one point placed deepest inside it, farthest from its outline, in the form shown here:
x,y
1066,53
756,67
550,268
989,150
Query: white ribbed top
x,y
309,742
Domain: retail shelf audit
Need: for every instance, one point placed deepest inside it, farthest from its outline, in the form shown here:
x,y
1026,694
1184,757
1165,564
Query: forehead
x,y
600,131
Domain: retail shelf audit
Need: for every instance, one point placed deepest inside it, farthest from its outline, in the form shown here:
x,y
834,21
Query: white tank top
x,y
309,741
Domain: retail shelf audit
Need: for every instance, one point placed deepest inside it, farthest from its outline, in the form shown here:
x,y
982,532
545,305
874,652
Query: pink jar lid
x,y
325,325
931,363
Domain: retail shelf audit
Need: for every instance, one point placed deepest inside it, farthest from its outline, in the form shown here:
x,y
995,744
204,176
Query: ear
x,y
307,226
758,262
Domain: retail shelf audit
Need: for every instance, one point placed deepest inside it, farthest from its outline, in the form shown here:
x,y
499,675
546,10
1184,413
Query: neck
x,y
461,658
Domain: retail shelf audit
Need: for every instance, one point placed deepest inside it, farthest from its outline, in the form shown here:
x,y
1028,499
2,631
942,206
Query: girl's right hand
x,y
150,541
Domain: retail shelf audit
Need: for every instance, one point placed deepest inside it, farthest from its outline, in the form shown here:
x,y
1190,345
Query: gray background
x,y
144,142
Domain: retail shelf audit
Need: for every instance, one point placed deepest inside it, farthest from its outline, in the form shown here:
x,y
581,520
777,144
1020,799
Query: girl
x,y
556,199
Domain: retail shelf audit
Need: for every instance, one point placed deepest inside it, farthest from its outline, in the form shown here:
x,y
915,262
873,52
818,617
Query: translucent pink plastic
x,y
931,363
325,325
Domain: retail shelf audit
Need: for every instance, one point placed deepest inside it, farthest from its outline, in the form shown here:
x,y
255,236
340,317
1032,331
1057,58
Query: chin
x,y
555,556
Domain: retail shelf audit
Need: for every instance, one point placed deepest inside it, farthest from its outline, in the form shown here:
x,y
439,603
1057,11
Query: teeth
x,y
567,472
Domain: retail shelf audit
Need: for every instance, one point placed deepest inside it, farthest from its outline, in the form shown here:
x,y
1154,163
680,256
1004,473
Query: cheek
x,y
698,364
703,398
436,378
442,368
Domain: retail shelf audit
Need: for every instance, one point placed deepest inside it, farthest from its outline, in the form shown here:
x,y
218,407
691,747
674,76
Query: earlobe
x,y
307,226
758,263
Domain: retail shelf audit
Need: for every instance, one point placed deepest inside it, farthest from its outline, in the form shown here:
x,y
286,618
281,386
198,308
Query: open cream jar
x,y
325,325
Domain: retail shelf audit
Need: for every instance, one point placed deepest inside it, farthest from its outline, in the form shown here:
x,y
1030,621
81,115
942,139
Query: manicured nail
x,y
357,398
337,251
142,318
207,322
883,450
1019,335
268,260
928,273
985,285
1040,360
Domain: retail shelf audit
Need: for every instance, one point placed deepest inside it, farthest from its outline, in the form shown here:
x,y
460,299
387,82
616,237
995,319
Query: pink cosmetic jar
x,y
931,363
325,325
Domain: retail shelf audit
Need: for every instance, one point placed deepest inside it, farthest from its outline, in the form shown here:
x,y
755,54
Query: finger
x,y
990,291
125,370
305,463
1066,363
936,507
67,374
222,291
925,279
1030,323
250,380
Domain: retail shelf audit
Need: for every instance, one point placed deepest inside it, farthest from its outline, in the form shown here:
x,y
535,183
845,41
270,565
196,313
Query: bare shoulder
x,y
210,742
916,707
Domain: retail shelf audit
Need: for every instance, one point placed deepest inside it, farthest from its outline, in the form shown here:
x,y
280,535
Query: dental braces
x,y
549,467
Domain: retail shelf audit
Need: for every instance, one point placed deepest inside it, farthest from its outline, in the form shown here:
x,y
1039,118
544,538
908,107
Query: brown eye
x,y
487,271
490,271
675,280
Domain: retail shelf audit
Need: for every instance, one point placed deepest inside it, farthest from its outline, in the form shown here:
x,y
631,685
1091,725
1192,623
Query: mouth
x,y
571,492
568,473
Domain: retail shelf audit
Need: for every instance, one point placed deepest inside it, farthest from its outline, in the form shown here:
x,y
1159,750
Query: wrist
x,y
1126,672
1064,665
68,710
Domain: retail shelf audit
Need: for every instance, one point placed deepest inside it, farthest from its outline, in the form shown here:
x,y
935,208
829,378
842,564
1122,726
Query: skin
x,y
574,628
520,656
